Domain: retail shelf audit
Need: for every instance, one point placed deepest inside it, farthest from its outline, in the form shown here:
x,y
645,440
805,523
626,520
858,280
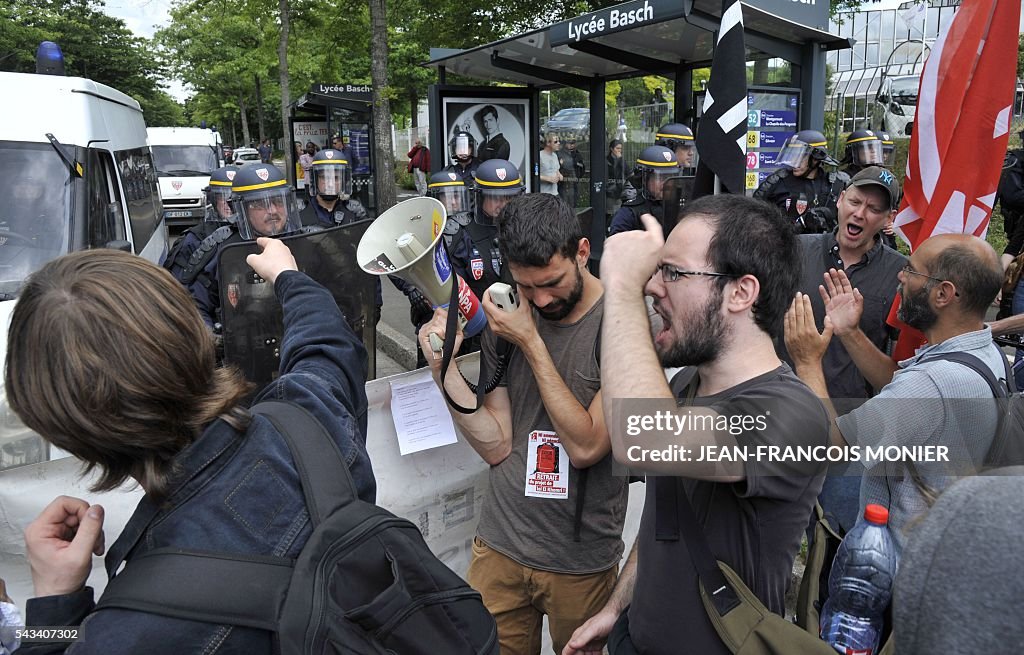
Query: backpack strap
x,y
999,390
243,590
326,481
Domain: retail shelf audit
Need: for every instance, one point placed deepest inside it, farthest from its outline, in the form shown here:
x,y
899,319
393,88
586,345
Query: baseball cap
x,y
878,176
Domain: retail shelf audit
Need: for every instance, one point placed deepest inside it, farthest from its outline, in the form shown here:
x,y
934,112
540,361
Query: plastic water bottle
x,y
860,585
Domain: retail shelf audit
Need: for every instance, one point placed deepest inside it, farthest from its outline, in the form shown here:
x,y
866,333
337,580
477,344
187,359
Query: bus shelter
x,y
328,109
670,38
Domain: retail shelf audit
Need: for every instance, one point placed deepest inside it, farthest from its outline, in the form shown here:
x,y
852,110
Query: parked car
x,y
245,156
574,121
895,105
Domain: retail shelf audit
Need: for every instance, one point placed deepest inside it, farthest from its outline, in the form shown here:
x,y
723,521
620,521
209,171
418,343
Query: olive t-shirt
x,y
754,525
536,531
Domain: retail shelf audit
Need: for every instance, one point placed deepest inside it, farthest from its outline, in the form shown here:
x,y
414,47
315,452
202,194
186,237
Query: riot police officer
x,y
654,165
863,149
264,205
679,139
802,188
330,188
219,216
888,149
461,147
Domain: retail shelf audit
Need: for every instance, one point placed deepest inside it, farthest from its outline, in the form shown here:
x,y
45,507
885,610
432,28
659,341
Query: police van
x,y
184,158
75,173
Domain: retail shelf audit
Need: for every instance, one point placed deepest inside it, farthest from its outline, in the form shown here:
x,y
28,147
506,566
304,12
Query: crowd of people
x,y
775,305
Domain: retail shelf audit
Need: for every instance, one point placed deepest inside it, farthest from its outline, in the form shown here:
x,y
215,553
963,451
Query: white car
x,y
244,156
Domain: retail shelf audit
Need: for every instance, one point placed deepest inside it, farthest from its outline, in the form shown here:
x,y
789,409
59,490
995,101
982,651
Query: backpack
x,y
365,583
1011,175
1007,447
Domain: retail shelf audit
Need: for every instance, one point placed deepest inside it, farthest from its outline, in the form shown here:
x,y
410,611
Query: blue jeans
x,y
1018,308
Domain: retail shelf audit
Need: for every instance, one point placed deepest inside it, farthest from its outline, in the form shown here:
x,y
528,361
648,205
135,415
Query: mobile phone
x,y
504,296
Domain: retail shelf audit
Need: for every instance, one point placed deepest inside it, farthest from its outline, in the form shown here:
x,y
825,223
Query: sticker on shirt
x,y
547,466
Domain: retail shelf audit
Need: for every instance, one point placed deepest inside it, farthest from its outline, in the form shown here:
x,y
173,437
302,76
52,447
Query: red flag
x,y
961,129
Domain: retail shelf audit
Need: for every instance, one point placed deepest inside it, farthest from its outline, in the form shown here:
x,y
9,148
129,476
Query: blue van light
x,y
49,59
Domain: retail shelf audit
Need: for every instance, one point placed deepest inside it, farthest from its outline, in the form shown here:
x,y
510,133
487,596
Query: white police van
x,y
184,158
75,173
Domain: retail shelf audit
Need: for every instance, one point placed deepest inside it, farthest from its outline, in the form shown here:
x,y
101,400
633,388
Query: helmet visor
x,y
493,200
794,153
455,198
654,180
218,203
867,153
888,154
332,181
461,147
267,213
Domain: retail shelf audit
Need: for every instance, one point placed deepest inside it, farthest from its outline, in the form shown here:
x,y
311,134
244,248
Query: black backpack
x,y
365,583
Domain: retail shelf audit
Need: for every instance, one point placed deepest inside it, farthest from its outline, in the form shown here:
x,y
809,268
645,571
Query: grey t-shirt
x,y
754,525
538,532
548,167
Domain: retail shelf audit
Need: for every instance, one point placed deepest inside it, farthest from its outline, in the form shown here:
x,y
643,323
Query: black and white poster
x,y
500,127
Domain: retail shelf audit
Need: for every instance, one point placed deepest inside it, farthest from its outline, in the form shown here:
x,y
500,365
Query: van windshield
x,y
904,90
184,161
35,185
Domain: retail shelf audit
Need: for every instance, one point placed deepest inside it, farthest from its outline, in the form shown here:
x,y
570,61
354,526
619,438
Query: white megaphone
x,y
405,241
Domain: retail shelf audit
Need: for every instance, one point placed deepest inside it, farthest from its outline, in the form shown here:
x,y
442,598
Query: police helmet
x,y
462,146
863,148
497,182
679,139
218,195
330,176
264,203
450,190
888,149
805,148
654,165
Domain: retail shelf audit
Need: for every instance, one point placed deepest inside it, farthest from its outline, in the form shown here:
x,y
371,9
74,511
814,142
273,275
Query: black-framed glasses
x,y
670,273
911,271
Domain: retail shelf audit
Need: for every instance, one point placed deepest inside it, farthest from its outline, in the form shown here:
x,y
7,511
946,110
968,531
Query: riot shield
x,y
251,316
674,194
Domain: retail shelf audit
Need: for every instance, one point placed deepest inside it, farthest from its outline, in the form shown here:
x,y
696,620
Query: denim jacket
x,y
235,493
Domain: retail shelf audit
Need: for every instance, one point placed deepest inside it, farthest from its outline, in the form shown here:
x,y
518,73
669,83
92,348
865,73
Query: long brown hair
x,y
108,359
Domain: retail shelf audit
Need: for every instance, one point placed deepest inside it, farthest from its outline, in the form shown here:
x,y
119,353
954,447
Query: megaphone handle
x,y
436,344
449,353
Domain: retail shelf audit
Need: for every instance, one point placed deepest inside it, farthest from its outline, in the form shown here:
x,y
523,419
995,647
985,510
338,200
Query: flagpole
x,y
718,185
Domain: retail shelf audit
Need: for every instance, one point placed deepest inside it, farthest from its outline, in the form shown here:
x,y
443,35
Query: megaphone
x,y
406,241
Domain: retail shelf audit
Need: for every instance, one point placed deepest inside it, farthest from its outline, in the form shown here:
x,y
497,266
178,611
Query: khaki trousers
x,y
519,596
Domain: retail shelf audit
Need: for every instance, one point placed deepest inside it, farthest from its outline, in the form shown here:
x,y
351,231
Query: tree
x,y
95,46
384,177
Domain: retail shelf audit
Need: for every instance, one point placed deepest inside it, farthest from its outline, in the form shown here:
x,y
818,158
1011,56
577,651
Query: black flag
x,y
722,131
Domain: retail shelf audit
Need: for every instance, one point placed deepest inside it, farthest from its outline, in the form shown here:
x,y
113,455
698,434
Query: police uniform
x,y
465,173
796,196
628,216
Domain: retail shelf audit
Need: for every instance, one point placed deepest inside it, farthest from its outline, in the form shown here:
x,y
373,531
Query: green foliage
x,y
96,46
1020,56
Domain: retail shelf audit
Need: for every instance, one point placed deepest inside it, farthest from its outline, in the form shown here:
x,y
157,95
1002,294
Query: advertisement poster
x,y
499,126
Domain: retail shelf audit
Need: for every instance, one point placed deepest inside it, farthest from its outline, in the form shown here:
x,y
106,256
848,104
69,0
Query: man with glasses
x,y
946,288
856,247
721,284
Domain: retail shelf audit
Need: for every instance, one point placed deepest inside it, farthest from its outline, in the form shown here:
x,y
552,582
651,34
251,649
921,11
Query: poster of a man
x,y
499,126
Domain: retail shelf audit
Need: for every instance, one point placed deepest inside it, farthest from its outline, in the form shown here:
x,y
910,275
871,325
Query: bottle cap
x,y
876,514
